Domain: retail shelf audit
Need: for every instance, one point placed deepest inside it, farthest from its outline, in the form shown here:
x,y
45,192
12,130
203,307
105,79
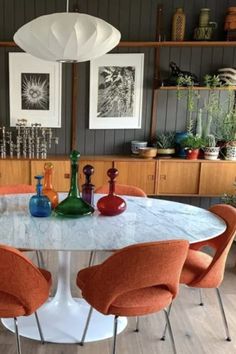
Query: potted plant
x,y
211,151
193,143
229,198
165,144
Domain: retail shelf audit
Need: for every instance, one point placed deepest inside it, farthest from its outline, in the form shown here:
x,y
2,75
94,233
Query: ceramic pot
x,y
180,136
165,152
136,145
231,153
192,154
211,153
178,25
204,17
230,19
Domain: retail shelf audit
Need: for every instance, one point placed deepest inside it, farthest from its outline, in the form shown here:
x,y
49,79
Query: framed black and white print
x,y
116,90
35,90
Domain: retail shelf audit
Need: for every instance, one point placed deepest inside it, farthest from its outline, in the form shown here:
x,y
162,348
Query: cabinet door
x,y
100,172
140,174
178,178
217,178
61,174
14,172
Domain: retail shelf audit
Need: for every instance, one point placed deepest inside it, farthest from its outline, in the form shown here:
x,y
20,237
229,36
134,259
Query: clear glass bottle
x,y
111,204
88,187
47,187
40,204
74,206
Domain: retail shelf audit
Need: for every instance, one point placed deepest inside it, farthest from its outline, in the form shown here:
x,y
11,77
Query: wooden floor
x,y
197,330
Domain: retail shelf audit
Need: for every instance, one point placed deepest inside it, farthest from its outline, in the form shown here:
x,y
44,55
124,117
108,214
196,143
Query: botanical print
x,y
34,91
116,96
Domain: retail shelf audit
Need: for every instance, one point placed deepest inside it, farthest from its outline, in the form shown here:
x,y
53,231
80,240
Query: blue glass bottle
x,y
39,204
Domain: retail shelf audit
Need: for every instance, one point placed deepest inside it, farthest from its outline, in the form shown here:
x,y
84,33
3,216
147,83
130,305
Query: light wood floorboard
x,y
197,330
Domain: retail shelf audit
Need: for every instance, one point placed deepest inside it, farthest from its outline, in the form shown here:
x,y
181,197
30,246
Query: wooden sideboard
x,y
173,177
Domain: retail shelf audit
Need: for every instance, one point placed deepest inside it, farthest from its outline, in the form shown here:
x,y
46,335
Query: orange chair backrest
x,y
17,189
214,275
122,189
20,278
138,266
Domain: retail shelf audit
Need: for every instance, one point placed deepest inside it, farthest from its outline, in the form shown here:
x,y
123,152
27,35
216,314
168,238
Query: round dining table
x,y
146,219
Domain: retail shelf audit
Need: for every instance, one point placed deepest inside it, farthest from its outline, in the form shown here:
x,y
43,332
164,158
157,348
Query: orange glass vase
x,y
48,188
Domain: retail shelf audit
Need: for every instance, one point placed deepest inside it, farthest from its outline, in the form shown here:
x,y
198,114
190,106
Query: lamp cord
x,y
67,5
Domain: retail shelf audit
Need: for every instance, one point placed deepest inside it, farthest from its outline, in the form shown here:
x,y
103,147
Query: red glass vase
x,y
111,204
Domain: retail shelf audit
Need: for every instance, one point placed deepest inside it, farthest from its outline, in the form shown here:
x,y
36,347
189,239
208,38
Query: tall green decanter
x,y
74,206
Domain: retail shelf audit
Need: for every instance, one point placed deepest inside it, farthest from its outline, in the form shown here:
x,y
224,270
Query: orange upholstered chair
x,y
23,287
137,280
122,189
18,189
204,271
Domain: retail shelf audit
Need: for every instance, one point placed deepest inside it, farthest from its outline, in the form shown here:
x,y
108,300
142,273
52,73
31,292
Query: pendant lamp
x,y
67,37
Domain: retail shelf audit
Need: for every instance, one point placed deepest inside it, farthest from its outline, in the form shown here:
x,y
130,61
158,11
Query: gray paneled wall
x,y
136,19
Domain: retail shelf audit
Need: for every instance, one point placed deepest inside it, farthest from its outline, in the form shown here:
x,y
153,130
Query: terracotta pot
x,y
230,19
192,154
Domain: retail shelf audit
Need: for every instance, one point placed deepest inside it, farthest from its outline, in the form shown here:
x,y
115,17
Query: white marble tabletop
x,y
144,220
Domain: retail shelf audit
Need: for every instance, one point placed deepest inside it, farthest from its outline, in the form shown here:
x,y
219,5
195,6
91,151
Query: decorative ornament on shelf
x,y
48,189
206,28
178,25
67,37
230,24
74,206
39,204
111,204
88,187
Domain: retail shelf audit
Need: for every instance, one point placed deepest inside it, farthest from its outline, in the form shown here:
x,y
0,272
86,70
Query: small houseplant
x,y
211,151
193,143
230,198
165,143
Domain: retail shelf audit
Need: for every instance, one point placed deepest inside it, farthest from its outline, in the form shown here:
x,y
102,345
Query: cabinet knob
x,y
150,177
163,177
66,175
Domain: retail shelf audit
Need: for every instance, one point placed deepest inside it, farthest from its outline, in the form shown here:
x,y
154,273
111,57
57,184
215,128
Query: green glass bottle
x,y
74,206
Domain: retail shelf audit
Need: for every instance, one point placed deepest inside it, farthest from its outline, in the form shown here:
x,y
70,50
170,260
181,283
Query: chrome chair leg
x,y
86,326
137,324
165,329
91,258
17,336
170,332
40,259
39,328
201,297
228,338
115,335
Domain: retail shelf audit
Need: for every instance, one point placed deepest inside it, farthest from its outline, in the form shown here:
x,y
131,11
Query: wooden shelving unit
x,y
150,44
196,88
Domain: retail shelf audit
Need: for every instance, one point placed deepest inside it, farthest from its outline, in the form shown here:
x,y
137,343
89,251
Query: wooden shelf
x,y
8,44
149,44
178,44
196,88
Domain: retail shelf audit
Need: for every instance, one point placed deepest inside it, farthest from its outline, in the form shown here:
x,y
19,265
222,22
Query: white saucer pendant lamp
x,y
67,37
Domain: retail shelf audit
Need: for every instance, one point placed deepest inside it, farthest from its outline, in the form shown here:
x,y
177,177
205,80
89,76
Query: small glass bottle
x,y
88,187
74,206
47,187
39,204
111,204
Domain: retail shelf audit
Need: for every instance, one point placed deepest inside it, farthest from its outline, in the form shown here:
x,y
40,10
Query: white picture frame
x,y
34,90
116,91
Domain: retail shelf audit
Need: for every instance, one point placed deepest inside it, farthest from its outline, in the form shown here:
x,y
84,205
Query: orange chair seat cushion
x,y
10,306
196,264
140,302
